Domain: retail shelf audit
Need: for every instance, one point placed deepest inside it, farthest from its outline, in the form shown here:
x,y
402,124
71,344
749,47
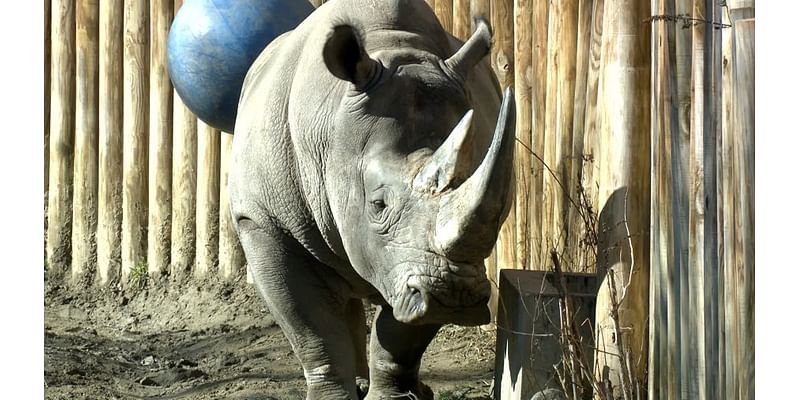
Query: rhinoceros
x,y
371,159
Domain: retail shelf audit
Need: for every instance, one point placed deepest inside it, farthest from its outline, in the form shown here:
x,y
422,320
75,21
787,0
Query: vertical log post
x,y
744,161
109,218
208,161
577,249
539,17
681,179
47,51
482,9
624,193
663,378
62,130
461,20
184,184
523,26
729,175
503,65
231,254
135,117
160,155
561,53
590,170
444,11
84,205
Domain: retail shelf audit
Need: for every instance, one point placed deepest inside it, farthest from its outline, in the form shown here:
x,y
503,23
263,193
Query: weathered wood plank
x,y
135,117
744,161
461,20
479,8
624,193
482,9
577,251
539,18
47,51
561,53
184,184
681,199
160,141
694,318
729,177
208,161
590,169
231,255
84,205
523,24
62,132
503,64
444,11
109,218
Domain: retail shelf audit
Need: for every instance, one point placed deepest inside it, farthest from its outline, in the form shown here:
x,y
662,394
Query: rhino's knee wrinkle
x,y
318,374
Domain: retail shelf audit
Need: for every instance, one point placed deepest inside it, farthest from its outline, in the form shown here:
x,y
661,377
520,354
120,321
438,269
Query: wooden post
x,y
231,255
482,9
590,171
744,242
184,184
577,250
184,187
135,117
208,161
539,17
694,318
444,11
109,216
523,25
624,193
663,363
84,205
561,53
503,65
479,8
735,341
160,141
461,20
62,130
47,51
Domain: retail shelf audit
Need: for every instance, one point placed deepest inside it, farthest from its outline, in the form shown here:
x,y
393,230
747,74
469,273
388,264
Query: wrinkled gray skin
x,y
343,187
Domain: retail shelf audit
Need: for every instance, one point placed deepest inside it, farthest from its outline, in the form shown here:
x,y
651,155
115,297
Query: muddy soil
x,y
207,340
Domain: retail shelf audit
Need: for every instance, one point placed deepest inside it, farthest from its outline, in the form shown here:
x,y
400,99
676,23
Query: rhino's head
x,y
420,201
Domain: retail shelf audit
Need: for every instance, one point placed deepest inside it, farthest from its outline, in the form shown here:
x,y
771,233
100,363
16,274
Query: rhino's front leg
x,y
395,353
311,305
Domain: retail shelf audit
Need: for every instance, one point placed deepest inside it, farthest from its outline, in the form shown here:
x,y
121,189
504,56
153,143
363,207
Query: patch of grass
x,y
138,277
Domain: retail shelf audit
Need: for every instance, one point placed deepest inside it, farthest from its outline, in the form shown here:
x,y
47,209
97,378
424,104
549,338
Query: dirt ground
x,y
208,340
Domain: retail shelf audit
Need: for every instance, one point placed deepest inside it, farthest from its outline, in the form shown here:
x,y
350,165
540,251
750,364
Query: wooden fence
x,y
634,158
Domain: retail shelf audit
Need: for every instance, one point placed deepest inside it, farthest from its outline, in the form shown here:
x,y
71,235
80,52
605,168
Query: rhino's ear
x,y
345,57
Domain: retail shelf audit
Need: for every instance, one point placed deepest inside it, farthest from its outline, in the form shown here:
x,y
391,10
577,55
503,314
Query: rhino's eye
x,y
378,205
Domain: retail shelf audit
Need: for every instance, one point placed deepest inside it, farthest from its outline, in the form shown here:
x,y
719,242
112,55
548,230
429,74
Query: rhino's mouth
x,y
452,298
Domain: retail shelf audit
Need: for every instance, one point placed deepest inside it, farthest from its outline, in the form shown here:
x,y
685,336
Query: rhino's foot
x,y
421,392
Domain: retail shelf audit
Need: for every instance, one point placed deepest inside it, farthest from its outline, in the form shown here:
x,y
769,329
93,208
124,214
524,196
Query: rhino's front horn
x,y
469,219
473,50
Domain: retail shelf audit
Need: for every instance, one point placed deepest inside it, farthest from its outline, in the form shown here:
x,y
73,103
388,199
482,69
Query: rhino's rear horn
x,y
447,167
346,58
475,48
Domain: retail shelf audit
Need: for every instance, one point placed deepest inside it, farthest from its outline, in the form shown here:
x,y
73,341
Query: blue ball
x,y
212,44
